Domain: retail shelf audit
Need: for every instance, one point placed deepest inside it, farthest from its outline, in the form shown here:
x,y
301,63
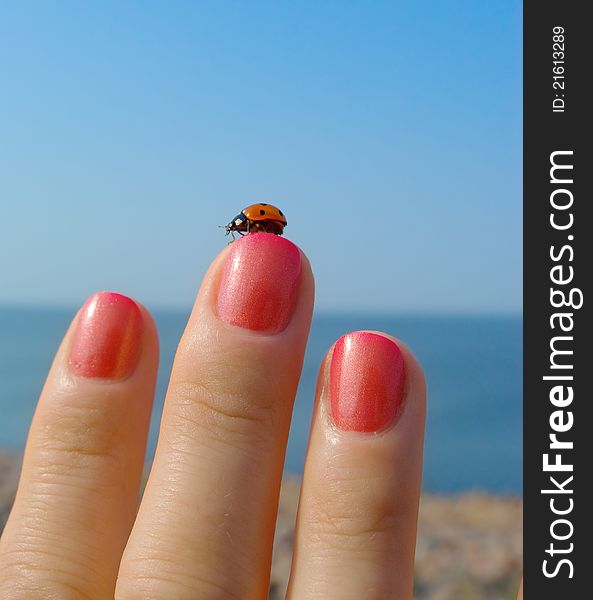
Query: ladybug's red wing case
x,y
264,212
258,217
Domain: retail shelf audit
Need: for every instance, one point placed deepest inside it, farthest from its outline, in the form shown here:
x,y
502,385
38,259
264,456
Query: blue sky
x,y
388,132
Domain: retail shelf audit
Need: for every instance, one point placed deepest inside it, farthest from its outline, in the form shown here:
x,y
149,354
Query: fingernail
x,y
366,382
107,338
259,283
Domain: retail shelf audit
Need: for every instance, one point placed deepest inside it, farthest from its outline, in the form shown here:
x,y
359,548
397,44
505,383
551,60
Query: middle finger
x,y
206,522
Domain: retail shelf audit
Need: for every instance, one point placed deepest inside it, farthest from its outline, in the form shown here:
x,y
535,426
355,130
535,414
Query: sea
x,y
473,367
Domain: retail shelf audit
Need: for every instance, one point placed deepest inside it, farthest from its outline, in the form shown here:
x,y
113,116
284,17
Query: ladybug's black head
x,y
236,224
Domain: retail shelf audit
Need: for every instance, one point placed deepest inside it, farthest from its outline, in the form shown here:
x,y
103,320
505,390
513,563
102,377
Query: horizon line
x,y
321,311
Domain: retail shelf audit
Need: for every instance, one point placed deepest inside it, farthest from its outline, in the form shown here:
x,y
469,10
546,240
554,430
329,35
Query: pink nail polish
x,y
106,342
260,283
366,382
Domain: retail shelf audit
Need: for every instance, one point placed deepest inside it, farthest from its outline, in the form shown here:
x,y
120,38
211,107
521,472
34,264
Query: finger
x,y
357,519
206,523
78,490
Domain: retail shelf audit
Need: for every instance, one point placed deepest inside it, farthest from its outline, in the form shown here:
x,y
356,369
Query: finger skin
x,y
78,491
357,518
206,523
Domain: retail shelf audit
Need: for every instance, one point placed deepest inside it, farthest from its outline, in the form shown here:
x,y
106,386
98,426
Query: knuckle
x,y
352,519
79,430
167,580
230,414
348,530
30,572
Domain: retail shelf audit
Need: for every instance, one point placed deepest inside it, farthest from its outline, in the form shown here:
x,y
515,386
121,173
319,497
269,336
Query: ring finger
x,y
356,525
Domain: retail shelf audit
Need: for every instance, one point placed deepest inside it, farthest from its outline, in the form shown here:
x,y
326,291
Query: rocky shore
x,y
469,545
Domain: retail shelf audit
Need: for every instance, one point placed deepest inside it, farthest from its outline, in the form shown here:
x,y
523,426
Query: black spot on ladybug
x,y
280,213
262,212
263,204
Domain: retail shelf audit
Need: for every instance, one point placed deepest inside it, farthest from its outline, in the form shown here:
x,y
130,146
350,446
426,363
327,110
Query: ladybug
x,y
258,217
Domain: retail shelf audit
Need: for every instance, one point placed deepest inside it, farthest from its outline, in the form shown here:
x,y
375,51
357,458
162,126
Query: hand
x,y
205,525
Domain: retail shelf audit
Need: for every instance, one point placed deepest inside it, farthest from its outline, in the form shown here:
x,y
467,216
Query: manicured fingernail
x,y
366,382
107,338
259,283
